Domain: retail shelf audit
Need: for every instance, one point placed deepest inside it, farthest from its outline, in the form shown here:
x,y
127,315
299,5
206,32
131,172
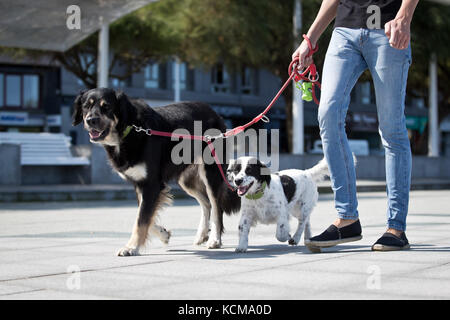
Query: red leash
x,y
313,75
206,139
309,74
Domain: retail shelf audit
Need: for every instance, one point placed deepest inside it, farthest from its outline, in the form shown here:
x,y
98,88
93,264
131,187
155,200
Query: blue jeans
x,y
350,52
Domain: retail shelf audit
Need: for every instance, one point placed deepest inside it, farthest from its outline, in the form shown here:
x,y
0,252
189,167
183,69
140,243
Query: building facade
x,y
37,96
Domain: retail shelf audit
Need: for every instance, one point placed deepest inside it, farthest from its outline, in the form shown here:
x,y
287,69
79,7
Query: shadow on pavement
x,y
275,250
72,234
260,252
264,251
60,205
428,248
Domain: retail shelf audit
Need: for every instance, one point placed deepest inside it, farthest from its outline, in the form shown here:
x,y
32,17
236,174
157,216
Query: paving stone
x,y
45,245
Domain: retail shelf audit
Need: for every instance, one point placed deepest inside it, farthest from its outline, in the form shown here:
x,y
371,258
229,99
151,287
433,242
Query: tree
x,y
250,33
259,34
430,35
135,40
244,33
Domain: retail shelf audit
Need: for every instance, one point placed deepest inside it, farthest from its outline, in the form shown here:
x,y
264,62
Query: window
x,y
19,90
116,83
220,80
186,76
183,69
1,89
12,91
30,91
248,81
366,93
88,64
152,76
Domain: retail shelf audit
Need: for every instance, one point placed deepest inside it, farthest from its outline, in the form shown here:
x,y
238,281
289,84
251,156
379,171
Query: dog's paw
x,y
162,233
199,240
213,244
292,242
125,252
282,233
283,236
240,250
165,236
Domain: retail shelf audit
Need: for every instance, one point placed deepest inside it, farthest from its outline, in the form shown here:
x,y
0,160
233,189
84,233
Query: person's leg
x,y
343,66
389,69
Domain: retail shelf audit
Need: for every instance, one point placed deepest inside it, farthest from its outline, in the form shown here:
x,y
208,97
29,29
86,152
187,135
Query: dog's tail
x,y
320,171
229,201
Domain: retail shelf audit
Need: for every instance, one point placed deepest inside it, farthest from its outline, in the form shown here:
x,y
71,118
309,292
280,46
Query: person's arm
x,y
398,30
326,14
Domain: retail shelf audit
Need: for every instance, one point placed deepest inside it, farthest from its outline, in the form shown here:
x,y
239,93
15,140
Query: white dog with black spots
x,y
272,198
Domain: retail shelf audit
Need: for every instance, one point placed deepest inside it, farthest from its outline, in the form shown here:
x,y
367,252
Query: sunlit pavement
x,y
66,250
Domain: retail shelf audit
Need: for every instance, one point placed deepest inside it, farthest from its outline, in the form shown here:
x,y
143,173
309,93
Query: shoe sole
x,y
382,247
328,244
314,249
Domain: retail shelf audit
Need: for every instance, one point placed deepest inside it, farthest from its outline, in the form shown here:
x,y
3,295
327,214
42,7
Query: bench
x,y
43,149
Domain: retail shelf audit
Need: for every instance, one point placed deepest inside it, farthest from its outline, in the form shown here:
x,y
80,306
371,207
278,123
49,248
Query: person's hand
x,y
301,52
398,32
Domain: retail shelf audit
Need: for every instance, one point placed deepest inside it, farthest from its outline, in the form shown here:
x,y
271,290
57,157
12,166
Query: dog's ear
x,y
127,112
230,169
264,172
231,165
77,115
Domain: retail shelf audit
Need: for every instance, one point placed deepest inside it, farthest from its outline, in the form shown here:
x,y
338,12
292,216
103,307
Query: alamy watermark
x,y
251,142
374,280
73,20
374,20
73,282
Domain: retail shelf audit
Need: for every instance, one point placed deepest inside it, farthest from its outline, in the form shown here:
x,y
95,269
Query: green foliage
x,y
430,34
239,33
136,39
252,33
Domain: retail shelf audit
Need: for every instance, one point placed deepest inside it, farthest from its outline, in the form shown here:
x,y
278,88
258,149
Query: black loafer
x,y
334,236
390,242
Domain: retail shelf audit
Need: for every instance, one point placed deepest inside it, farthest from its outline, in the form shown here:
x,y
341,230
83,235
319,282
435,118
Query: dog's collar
x,y
259,194
126,131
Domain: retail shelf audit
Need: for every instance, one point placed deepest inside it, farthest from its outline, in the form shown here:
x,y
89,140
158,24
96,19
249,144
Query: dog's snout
x,y
238,181
93,121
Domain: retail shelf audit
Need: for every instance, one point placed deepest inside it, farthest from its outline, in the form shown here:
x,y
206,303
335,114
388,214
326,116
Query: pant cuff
x,y
348,216
396,225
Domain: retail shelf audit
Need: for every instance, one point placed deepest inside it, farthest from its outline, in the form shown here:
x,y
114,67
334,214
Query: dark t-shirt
x,y
358,13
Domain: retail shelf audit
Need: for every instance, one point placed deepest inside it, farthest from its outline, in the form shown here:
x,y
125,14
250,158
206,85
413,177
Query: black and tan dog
x,y
146,160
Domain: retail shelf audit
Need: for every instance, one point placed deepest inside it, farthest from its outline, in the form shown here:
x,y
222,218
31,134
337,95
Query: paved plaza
x,y
66,250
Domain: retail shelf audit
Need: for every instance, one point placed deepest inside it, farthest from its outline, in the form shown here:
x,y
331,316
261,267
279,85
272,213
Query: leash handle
x,y
311,49
310,74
